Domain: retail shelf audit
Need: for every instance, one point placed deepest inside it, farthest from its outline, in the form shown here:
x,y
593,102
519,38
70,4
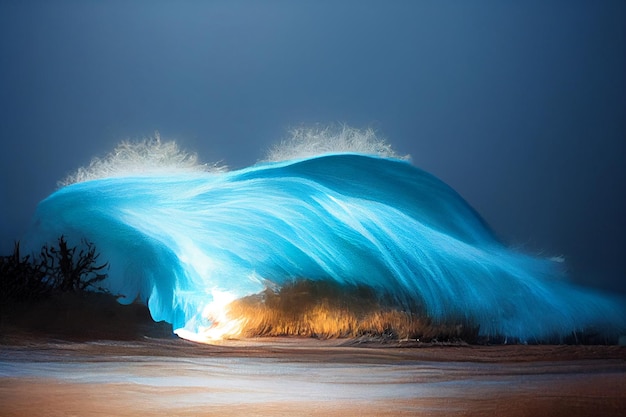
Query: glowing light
x,y
217,313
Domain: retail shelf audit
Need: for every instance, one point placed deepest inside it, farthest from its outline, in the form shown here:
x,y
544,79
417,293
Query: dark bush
x,y
59,268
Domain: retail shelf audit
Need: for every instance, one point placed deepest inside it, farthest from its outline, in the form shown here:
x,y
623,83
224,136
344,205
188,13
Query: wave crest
x,y
148,156
306,142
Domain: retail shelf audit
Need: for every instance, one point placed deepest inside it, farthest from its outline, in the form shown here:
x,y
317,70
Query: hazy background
x,y
518,105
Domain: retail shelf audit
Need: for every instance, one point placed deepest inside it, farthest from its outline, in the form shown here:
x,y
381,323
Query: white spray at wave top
x,y
306,142
145,157
153,156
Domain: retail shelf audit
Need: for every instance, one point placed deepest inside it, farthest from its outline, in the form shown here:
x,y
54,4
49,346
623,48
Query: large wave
x,y
187,239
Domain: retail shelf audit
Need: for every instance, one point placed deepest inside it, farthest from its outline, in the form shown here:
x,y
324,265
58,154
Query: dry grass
x,y
325,310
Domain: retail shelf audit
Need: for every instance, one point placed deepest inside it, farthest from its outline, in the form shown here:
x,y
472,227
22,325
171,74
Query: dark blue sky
x,y
520,106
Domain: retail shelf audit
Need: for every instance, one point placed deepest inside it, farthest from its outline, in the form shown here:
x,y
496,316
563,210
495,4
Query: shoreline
x,y
295,376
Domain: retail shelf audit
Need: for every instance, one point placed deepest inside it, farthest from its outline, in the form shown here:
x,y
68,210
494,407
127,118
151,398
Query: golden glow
x,y
316,309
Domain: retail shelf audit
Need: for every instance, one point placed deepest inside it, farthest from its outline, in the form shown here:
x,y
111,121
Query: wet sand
x,y
276,377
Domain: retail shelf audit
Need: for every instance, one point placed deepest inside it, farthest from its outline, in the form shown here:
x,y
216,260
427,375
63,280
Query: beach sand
x,y
113,361
277,376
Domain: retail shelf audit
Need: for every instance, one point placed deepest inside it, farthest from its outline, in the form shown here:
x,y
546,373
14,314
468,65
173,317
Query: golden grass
x,y
325,310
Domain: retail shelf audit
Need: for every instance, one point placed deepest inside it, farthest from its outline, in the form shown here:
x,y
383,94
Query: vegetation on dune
x,y
57,268
323,309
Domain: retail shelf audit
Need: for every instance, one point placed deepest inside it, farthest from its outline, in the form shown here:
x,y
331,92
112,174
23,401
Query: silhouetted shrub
x,y
59,268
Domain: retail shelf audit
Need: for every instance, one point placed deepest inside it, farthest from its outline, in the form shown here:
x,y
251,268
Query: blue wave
x,y
176,241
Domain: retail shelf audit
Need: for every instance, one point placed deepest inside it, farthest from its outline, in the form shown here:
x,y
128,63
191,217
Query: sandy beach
x,y
291,376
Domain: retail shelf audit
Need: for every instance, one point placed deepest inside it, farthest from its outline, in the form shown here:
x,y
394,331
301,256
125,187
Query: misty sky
x,y
518,105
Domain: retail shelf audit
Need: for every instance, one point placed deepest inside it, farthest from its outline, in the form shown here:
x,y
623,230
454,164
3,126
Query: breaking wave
x,y
332,206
